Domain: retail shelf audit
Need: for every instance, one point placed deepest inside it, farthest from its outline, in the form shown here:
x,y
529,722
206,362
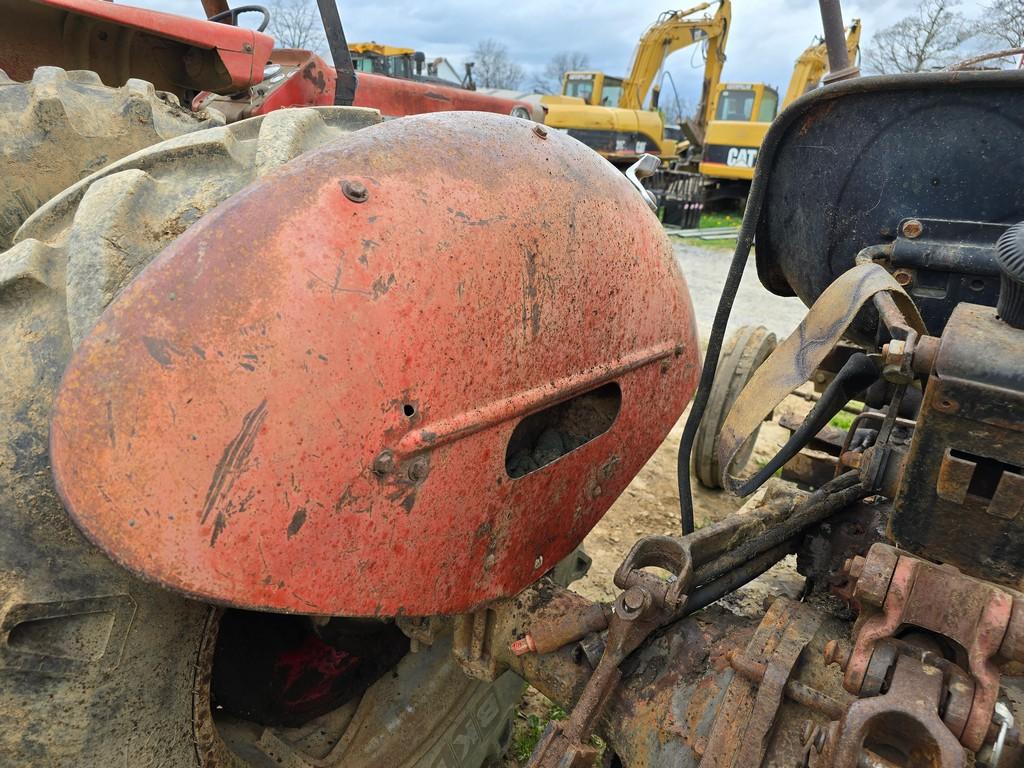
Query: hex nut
x,y
875,573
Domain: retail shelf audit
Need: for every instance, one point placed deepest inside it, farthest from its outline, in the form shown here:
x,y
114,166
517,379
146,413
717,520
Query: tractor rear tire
x,y
742,354
61,126
98,667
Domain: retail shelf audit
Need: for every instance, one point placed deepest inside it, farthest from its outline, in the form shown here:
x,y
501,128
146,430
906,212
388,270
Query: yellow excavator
x,y
609,114
743,112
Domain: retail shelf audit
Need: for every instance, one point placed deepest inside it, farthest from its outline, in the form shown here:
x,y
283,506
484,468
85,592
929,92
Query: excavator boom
x,y
812,65
673,31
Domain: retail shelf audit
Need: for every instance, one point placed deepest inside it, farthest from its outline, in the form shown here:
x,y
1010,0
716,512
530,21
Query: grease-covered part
x,y
98,667
236,396
61,126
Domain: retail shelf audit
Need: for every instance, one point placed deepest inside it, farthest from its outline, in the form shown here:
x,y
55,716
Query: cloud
x,y
765,39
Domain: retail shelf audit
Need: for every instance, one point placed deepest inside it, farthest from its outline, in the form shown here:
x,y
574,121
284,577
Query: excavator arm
x,y
673,31
812,64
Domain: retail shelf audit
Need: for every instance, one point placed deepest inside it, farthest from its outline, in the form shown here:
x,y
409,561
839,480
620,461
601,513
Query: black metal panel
x,y
845,164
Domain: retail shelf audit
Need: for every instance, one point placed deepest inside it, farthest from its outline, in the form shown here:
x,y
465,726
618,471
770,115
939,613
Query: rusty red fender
x,y
306,402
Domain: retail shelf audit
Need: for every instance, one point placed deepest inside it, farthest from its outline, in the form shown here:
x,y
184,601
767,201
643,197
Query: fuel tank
x,y
405,374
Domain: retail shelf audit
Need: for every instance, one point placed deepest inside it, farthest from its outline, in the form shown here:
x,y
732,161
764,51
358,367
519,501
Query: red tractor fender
x,y
405,373
117,41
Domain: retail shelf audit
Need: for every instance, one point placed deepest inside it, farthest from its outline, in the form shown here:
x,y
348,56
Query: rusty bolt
x,y
874,575
837,653
418,469
895,351
912,228
540,130
523,645
355,191
904,277
384,464
633,599
632,602
946,405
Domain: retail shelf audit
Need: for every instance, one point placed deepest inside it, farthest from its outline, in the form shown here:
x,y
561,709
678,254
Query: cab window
x,y
769,106
611,92
580,87
735,105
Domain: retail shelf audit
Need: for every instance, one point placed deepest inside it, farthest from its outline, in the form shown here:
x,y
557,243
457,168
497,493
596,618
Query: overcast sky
x,y
766,35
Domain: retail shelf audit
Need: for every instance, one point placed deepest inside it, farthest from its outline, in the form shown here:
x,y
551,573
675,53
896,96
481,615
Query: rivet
x,y
912,228
384,463
418,469
541,131
538,562
355,191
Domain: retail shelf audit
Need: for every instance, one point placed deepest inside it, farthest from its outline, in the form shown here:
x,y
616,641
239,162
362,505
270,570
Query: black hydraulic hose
x,y
744,241
857,374
715,590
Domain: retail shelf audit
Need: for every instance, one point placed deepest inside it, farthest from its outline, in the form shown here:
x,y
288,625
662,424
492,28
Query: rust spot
x,y
160,350
381,285
315,75
231,465
298,520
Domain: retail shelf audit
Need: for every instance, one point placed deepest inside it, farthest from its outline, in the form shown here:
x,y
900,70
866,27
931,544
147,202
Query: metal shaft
x,y
835,34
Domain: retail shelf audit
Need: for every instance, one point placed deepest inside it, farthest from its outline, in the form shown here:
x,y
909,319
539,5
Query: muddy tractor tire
x,y
99,668
61,126
743,353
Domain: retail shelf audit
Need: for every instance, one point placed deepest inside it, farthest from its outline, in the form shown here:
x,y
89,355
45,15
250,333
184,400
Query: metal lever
x,y
644,168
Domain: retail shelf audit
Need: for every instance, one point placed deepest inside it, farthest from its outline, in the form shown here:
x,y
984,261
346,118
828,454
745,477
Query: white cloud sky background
x,y
766,35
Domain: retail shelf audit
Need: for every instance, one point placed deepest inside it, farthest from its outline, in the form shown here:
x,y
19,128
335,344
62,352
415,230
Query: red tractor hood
x,y
406,373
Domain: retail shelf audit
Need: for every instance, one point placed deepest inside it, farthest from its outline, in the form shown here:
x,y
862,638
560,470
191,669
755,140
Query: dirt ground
x,y
650,504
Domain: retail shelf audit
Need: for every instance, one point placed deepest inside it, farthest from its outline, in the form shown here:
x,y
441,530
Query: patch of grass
x,y
844,419
529,733
532,728
713,220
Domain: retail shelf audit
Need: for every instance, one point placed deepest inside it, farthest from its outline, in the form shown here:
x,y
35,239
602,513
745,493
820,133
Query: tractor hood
x,y
407,373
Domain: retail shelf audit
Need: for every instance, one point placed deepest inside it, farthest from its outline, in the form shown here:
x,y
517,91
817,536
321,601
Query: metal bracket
x,y
644,168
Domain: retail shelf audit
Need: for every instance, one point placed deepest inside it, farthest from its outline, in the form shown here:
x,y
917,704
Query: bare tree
x,y
296,24
1004,20
550,79
492,66
929,39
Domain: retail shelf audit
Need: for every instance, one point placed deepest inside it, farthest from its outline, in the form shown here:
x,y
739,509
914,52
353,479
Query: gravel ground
x,y
705,270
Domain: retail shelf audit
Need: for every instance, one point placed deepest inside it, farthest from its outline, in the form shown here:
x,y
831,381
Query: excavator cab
x,y
389,60
747,102
595,88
